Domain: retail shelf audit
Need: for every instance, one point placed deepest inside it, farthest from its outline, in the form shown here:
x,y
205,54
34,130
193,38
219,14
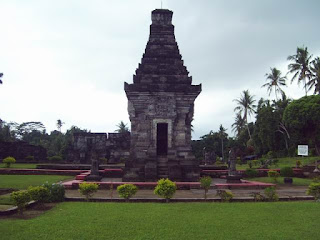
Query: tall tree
x,y
223,135
245,106
300,66
59,124
275,82
315,75
302,118
122,127
238,124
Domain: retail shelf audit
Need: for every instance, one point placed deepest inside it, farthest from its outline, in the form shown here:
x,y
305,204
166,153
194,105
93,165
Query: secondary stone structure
x,y
161,106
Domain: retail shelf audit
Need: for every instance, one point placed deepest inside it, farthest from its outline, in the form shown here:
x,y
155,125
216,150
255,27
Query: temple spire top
x,y
161,17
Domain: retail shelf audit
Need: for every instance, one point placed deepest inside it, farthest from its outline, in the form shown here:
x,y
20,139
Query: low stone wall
x,y
12,171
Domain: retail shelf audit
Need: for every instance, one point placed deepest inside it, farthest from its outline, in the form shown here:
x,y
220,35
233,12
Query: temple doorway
x,y
162,139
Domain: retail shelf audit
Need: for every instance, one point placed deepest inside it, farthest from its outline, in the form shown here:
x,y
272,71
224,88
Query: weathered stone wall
x,y
112,146
162,93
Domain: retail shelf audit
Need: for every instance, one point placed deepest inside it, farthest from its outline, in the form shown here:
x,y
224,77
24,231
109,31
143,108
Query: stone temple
x,y
161,106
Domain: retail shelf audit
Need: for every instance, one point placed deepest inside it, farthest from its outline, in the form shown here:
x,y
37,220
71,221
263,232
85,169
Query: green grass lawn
x,y
75,220
286,162
20,165
24,181
296,181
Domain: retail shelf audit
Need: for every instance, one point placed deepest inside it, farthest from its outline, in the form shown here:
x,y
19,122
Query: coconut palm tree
x,y
300,66
246,106
238,124
315,75
276,81
122,127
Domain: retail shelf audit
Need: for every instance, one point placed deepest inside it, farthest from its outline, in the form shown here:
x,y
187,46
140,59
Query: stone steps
x,y
162,163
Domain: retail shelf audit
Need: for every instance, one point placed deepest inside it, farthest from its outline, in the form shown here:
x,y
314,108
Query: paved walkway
x,y
283,191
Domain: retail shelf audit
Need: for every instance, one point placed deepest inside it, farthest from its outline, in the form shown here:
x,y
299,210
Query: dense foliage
x,y
39,193
20,199
88,189
8,161
126,191
314,190
56,192
205,184
165,188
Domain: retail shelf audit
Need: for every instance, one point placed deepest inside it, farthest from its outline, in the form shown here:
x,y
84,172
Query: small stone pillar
x,y
233,177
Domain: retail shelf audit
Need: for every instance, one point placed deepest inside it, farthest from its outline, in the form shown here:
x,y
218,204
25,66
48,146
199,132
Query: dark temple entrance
x,y
162,139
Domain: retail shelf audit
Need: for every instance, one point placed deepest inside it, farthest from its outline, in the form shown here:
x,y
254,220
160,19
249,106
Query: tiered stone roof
x,y
162,67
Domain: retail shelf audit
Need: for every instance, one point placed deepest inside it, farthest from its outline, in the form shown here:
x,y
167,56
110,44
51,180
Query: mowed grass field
x,y
81,220
20,165
24,181
296,181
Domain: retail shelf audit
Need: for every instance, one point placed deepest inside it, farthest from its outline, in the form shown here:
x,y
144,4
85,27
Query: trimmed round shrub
x,y
20,199
165,188
286,172
314,190
56,192
88,189
205,184
8,161
40,194
126,191
251,173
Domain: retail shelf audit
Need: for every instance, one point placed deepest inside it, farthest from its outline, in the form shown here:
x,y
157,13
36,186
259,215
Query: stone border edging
x,y
160,200
13,210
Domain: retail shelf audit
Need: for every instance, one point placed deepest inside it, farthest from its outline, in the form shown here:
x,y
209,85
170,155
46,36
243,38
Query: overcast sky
x,y
69,60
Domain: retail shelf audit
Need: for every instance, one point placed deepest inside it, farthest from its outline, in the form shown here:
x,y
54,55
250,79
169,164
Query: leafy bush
x,y
55,159
271,155
8,161
271,194
56,192
286,172
250,164
251,173
40,194
226,196
314,190
274,175
255,163
126,191
29,158
20,199
205,184
316,179
218,161
258,197
165,188
298,163
88,189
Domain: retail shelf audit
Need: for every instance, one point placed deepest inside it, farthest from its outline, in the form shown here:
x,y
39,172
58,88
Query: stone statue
x,y
232,163
232,177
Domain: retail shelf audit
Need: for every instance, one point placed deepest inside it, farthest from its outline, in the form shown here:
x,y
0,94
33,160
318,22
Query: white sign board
x,y
303,150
